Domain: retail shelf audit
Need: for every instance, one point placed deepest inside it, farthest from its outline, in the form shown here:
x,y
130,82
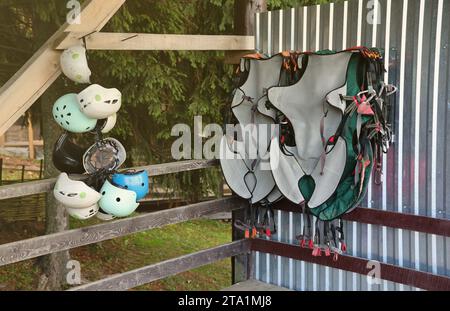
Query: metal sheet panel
x,y
415,35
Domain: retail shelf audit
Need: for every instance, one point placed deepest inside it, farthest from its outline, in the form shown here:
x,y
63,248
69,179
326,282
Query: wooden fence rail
x,y
43,245
45,185
373,216
52,243
389,272
167,268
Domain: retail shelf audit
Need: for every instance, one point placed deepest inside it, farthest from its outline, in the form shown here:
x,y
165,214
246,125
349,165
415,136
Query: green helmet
x,y
67,113
117,201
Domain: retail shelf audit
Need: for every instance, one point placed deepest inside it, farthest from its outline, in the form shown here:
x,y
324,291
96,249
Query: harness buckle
x,y
343,246
335,257
247,234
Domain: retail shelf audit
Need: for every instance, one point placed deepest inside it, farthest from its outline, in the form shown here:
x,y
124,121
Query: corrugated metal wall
x,y
416,36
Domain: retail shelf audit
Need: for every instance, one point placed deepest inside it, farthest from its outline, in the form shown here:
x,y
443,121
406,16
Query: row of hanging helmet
x,y
102,190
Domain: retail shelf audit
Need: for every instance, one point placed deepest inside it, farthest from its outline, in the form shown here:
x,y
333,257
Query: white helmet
x,y
75,194
83,213
74,64
98,102
104,216
109,123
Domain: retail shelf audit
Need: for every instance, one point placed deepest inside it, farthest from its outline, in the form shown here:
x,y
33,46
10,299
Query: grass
x,y
123,254
137,250
16,175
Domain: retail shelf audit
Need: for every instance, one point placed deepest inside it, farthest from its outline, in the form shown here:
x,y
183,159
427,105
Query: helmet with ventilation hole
x,y
74,194
117,201
134,181
68,115
74,64
83,213
98,102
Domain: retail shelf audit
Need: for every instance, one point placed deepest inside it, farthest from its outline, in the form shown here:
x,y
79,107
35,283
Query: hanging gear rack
x,y
348,153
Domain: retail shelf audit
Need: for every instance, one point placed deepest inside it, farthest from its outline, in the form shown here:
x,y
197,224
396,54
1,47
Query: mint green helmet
x,y
117,201
67,113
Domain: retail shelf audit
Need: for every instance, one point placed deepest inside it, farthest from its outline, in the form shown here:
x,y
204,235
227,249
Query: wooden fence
x,y
240,249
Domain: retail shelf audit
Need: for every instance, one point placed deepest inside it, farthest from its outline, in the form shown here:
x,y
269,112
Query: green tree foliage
x,y
283,4
159,89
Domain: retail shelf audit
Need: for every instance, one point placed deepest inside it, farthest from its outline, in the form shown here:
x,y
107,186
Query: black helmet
x,y
67,156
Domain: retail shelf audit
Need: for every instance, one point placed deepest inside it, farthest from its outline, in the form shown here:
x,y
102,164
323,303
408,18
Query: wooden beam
x,y
61,241
167,268
30,137
389,272
26,188
177,167
23,143
95,16
425,224
42,69
234,57
244,24
397,220
46,185
163,42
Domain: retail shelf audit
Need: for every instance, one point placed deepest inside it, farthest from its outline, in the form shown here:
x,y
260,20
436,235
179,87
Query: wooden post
x,y
56,219
41,168
30,137
244,23
244,15
22,178
1,171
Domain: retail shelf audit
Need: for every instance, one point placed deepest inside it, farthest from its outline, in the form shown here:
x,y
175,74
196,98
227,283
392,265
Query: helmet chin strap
x,y
83,39
98,136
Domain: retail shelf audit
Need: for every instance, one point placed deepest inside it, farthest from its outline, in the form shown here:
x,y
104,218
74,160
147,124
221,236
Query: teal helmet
x,y
117,201
68,115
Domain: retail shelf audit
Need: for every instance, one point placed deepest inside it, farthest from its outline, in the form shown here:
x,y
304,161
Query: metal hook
x,y
83,38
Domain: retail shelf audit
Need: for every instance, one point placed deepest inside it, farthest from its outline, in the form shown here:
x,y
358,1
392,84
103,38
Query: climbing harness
x,y
333,112
244,160
244,156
